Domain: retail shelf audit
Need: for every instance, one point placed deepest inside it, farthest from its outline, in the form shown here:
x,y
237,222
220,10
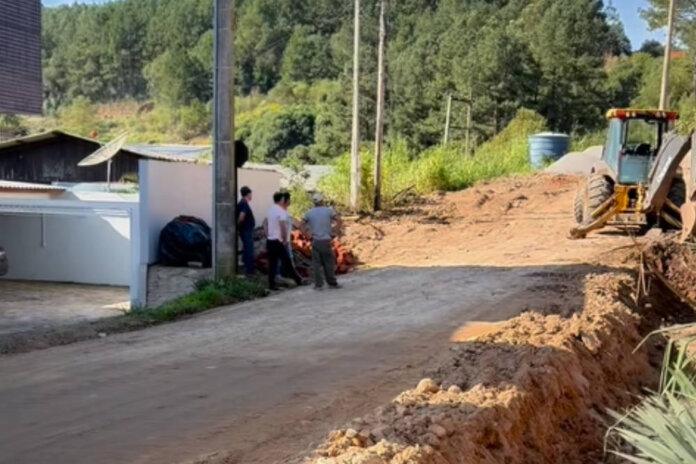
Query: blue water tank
x,y
547,147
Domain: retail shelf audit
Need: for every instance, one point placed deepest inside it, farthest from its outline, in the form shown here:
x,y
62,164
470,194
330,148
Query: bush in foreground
x,y
662,428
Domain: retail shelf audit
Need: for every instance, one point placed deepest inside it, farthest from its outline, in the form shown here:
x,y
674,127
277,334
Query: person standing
x,y
246,225
276,242
286,206
319,220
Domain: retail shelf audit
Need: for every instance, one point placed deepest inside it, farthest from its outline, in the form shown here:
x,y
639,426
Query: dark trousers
x,y
277,252
323,263
247,237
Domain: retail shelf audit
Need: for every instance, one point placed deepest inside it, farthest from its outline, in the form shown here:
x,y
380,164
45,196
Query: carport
x,y
72,256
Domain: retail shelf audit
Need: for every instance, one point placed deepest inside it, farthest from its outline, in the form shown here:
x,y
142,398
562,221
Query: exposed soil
x,y
265,381
516,221
675,263
533,391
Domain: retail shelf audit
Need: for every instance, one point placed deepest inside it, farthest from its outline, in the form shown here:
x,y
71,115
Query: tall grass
x,y
442,168
591,139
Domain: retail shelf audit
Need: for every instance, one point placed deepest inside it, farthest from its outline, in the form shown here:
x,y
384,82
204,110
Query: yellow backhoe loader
x,y
644,179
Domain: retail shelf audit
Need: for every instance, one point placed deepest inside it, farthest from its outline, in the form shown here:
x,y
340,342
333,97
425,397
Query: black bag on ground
x,y
185,240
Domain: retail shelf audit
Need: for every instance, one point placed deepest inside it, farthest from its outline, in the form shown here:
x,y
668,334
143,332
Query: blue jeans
x,y
291,255
247,237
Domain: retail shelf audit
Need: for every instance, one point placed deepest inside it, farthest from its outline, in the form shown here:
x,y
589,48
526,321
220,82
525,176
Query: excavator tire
x,y
599,190
579,206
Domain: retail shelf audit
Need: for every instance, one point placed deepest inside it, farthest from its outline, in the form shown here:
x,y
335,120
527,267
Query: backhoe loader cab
x,y
633,141
615,190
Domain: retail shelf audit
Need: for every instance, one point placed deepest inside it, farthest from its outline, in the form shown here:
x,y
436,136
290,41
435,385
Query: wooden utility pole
x,y
445,139
224,166
355,142
379,126
664,91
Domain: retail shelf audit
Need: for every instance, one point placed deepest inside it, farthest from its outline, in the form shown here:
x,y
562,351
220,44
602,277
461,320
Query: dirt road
x,y
267,379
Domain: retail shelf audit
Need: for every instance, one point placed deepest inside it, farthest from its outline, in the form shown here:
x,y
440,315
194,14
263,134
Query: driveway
x,y
26,306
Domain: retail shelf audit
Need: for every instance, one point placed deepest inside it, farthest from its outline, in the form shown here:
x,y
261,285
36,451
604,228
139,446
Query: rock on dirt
x,y
427,386
529,392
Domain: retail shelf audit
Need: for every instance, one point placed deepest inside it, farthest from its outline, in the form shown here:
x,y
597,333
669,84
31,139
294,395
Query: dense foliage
x,y
544,55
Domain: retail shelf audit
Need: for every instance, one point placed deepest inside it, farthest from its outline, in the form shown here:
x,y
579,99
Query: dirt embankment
x,y
535,390
675,264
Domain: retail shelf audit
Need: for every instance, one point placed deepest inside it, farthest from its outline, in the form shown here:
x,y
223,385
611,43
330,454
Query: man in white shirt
x,y
276,243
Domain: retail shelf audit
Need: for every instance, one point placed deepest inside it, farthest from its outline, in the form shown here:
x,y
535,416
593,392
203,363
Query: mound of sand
x,y
576,162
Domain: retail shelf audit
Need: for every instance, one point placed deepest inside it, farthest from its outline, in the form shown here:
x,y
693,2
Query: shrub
x,y
194,120
79,117
208,294
662,428
274,133
443,168
582,143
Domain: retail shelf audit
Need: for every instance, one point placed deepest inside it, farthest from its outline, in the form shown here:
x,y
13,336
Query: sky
x,y
635,27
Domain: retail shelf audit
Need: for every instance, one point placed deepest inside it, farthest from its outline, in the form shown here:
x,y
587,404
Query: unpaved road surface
x,y
267,379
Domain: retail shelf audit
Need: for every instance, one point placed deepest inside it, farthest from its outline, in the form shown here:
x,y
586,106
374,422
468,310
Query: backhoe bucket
x,y
688,215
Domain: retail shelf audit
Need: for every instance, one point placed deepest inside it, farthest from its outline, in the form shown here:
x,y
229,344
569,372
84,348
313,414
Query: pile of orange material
x,y
302,247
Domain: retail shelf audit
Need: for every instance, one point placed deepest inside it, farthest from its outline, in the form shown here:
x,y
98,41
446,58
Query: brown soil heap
x,y
533,391
675,263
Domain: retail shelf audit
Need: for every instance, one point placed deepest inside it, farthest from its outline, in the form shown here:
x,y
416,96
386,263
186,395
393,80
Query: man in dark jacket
x,y
246,225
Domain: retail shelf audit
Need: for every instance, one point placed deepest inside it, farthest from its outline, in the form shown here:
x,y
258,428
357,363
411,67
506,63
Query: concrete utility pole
x,y
664,91
379,126
224,166
445,139
355,143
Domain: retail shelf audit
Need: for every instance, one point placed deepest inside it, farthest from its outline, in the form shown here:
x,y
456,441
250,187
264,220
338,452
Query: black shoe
x,y
274,288
319,288
335,286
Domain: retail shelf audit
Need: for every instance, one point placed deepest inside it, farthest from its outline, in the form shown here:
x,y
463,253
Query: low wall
x,y
167,283
91,249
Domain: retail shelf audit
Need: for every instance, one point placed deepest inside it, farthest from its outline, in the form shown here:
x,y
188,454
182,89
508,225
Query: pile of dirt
x,y
675,264
535,389
497,223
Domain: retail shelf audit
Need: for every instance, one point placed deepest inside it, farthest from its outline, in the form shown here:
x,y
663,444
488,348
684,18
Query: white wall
x,y
168,190
84,248
263,184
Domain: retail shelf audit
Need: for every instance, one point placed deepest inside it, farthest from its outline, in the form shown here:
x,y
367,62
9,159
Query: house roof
x,y
190,153
40,137
12,186
178,153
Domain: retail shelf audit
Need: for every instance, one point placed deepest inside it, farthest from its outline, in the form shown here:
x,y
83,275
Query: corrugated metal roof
x,y
174,153
190,153
27,139
12,186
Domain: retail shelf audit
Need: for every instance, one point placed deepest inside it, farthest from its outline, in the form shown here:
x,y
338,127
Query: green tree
x,y
307,57
271,136
174,78
652,47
